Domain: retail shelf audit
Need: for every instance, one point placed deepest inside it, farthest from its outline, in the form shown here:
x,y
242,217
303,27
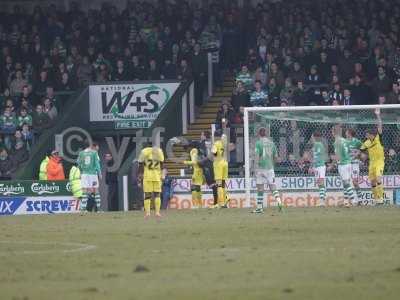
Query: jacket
x,y
43,169
75,181
55,170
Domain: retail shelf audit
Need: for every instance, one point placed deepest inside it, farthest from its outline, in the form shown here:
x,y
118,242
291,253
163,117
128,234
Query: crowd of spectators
x,y
48,52
324,53
303,53
284,53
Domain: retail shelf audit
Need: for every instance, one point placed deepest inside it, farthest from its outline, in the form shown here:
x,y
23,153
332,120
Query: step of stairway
x,y
206,120
210,110
202,126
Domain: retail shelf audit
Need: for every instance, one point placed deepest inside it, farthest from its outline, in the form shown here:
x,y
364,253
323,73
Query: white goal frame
x,y
247,110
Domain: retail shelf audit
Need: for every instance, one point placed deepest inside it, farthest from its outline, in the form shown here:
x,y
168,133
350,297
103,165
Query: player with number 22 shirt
x,y
151,160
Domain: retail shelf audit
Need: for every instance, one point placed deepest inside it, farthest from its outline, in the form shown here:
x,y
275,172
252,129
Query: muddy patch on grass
x,y
141,269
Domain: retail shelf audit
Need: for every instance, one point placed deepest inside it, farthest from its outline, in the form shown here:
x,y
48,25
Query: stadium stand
x,y
329,52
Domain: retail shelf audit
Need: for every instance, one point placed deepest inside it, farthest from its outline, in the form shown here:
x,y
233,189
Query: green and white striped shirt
x,y
245,78
259,98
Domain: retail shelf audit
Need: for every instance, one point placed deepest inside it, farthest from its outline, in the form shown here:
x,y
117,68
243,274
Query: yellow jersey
x,y
218,149
375,149
151,157
197,177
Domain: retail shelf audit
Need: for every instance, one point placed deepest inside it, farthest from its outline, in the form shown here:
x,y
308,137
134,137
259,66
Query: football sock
x,y
226,198
375,193
260,200
322,194
277,197
97,200
215,194
194,198
84,201
199,199
157,204
147,204
380,191
349,192
346,196
221,196
359,194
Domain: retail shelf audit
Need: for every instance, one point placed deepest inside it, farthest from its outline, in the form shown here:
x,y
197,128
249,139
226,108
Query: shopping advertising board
x,y
292,183
295,192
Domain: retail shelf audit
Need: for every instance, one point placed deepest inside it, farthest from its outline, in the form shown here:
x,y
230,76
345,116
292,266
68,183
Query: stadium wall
x,y
75,112
75,123
171,121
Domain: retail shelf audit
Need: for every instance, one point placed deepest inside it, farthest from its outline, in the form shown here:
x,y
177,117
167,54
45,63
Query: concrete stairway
x,y
206,117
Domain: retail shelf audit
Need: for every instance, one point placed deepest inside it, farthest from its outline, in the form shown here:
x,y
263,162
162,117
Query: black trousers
x,y
112,198
199,85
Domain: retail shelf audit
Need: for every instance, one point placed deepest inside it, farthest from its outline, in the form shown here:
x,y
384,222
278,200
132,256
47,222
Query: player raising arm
x,y
197,178
151,160
354,147
344,165
319,167
266,155
373,146
220,166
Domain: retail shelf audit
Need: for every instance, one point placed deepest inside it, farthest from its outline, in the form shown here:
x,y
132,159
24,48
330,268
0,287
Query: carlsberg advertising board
x,y
36,197
34,188
129,105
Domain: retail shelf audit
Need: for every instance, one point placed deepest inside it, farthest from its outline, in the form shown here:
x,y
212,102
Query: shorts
x,y
198,180
355,170
89,181
345,172
220,169
265,176
319,172
152,186
375,170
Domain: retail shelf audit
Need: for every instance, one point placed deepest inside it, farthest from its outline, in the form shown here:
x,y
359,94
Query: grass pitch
x,y
221,254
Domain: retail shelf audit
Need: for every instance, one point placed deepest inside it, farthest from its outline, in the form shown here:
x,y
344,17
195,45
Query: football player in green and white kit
x,y
354,146
89,164
266,155
319,167
342,150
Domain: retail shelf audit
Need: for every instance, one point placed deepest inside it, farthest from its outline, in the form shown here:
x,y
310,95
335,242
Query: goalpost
x,y
291,129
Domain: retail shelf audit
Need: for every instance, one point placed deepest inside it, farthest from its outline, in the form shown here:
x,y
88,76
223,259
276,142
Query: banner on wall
x,y
34,188
292,183
129,105
20,205
290,199
295,192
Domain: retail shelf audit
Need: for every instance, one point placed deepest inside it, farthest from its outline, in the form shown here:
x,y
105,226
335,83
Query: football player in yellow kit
x,y
197,178
220,166
151,160
373,146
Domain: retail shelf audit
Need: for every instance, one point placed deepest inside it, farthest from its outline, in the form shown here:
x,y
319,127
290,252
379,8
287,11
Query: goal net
x,y
292,129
